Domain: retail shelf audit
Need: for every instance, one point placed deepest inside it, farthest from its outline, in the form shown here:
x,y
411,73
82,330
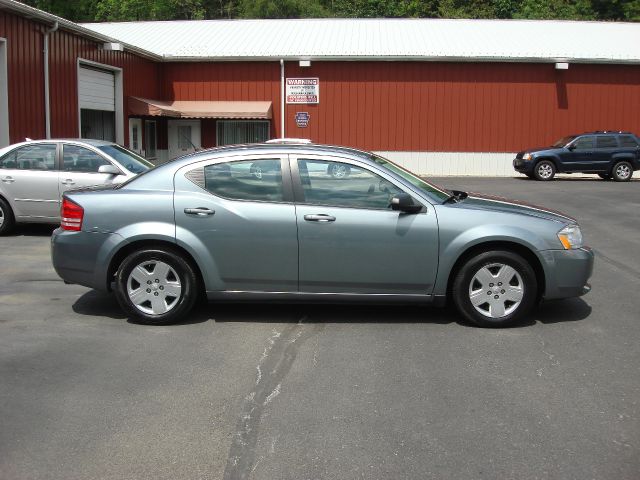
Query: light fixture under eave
x,y
304,63
562,66
116,47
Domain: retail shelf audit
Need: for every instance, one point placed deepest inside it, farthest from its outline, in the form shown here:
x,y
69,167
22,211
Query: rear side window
x,y
80,159
627,141
31,157
606,142
583,143
254,180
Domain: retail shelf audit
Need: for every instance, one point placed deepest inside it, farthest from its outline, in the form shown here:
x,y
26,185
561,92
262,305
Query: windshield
x,y
128,159
563,141
439,193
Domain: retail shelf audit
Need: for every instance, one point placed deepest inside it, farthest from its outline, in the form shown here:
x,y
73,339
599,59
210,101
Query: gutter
x,y
282,102
47,103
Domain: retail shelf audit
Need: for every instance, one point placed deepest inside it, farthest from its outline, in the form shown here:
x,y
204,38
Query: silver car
x,y
205,225
35,174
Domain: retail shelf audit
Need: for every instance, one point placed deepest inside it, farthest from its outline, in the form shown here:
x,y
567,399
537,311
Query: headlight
x,y
526,156
570,237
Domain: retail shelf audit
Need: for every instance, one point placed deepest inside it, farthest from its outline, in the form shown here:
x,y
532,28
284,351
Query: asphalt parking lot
x,y
328,392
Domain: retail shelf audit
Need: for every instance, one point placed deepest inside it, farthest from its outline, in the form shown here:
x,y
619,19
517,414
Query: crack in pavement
x,y
279,355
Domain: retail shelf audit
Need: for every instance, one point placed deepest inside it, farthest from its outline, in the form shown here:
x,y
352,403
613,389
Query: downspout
x,y
282,98
47,106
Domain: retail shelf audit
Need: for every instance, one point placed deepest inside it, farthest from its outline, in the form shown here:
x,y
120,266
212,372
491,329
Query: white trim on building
x,y
477,164
4,95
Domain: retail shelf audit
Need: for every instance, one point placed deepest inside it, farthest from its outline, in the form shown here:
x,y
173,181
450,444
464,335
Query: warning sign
x,y
303,90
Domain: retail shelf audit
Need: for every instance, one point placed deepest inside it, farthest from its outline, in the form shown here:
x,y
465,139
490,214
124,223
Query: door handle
x,y
199,211
8,180
322,217
68,181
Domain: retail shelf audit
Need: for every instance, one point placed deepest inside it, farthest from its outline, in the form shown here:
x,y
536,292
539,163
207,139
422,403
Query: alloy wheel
x,y
154,287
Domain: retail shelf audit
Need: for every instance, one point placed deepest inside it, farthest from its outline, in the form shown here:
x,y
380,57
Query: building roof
x,y
51,20
383,39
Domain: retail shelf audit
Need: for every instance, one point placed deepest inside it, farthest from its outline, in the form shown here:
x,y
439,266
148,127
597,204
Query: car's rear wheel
x,y
7,220
338,170
495,289
156,287
622,172
544,170
604,176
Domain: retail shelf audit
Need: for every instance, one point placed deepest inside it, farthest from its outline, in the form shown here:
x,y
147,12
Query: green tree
x,y
282,9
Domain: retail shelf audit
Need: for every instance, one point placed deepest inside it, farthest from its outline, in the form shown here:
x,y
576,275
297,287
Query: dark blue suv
x,y
608,154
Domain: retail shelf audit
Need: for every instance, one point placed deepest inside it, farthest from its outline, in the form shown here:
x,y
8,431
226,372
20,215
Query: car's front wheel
x,y
544,170
156,286
622,172
6,217
495,289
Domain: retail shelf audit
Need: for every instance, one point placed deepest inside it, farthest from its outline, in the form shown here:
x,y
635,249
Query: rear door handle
x,y
68,181
322,217
199,211
8,180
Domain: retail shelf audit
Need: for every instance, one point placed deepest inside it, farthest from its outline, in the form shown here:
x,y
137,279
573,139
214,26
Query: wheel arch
x,y
129,248
551,159
494,245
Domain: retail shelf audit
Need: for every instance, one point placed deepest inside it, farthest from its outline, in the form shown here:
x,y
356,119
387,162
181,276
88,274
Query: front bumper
x,y
522,166
567,272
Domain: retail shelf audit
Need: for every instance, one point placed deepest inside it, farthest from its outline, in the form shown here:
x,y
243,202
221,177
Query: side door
x,y
350,240
580,154
242,225
29,179
606,146
80,168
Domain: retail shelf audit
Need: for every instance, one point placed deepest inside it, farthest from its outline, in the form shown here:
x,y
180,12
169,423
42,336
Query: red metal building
x,y
460,108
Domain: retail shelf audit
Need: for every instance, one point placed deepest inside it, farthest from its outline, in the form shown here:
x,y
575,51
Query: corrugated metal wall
x,y
141,77
464,107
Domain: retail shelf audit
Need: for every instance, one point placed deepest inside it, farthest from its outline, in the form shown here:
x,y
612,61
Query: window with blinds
x,y
230,132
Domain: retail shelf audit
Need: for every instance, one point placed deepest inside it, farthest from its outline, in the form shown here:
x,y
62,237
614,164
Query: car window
x,y
627,141
584,143
128,159
79,159
326,182
31,157
257,180
608,141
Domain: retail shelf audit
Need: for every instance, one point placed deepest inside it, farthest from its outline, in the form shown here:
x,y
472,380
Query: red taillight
x,y
71,214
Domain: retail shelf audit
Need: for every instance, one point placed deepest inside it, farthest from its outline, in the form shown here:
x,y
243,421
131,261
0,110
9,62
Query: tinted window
x,y
339,184
606,142
31,157
128,159
627,141
583,143
259,180
80,159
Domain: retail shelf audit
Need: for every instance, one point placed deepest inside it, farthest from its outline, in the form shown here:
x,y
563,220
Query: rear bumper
x,y
83,257
568,272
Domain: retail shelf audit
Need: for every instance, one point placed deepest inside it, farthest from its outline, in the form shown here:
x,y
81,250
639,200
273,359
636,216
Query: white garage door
x,y
96,89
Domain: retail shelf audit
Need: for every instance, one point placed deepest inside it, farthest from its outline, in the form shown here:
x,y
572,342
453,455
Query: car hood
x,y
479,201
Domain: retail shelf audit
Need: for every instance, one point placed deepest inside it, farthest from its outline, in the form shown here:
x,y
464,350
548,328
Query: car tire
x,y
495,289
156,286
7,220
337,170
622,172
544,170
604,176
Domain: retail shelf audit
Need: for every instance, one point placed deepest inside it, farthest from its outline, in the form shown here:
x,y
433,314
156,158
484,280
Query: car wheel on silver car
x,y
156,287
495,289
6,217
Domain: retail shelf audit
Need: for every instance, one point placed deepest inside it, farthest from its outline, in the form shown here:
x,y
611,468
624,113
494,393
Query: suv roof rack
x,y
289,140
610,131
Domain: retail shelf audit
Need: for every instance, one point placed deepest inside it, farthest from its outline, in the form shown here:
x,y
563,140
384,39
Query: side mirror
x,y
571,148
404,203
110,169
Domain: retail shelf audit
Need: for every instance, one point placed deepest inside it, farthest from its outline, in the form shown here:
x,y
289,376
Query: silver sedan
x,y
35,174
204,224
